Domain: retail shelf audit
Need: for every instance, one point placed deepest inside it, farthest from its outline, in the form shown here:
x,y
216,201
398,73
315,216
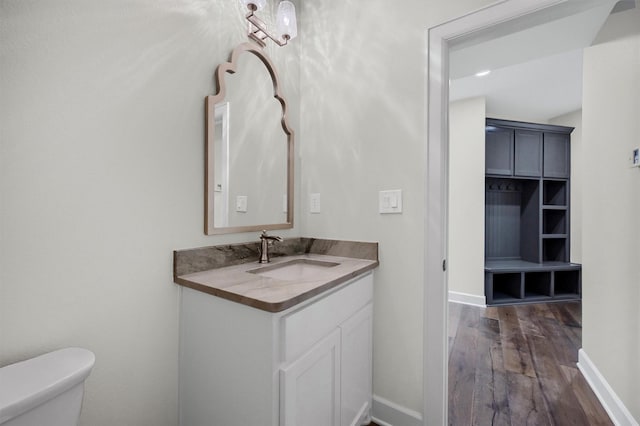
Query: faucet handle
x,y
265,236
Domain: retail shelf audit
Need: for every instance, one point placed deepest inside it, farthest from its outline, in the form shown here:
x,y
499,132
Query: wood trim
x,y
467,299
389,413
528,126
612,404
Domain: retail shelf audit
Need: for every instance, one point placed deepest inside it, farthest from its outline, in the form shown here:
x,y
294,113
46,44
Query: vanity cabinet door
x,y
357,367
310,386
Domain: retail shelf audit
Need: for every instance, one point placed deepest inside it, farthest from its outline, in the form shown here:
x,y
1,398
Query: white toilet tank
x,y
46,390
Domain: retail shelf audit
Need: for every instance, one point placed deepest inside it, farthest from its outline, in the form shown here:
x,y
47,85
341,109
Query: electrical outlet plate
x,y
390,201
314,203
241,203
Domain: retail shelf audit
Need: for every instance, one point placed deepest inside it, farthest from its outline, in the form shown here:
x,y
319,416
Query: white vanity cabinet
x,y
308,365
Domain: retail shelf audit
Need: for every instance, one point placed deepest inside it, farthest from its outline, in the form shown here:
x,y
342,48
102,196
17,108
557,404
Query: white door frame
x,y
439,40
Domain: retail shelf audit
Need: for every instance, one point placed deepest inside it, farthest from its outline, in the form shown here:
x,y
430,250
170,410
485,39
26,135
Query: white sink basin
x,y
297,269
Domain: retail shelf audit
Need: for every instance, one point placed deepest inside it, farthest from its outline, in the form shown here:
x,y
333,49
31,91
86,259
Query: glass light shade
x,y
260,4
286,19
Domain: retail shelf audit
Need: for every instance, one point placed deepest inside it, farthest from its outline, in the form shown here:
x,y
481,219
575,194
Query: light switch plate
x,y
241,203
390,201
314,203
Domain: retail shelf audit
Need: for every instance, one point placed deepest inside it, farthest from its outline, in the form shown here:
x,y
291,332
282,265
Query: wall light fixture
x,y
285,20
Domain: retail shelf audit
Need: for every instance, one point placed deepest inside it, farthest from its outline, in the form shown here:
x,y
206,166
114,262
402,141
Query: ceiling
x,y
536,72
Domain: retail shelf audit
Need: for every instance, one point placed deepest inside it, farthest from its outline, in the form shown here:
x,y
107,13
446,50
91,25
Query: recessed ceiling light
x,y
483,73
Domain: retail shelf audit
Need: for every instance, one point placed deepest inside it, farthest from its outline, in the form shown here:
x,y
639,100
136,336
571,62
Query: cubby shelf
x,y
554,193
554,222
515,282
527,208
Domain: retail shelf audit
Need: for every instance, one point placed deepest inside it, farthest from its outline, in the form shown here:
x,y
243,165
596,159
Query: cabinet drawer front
x,y
303,328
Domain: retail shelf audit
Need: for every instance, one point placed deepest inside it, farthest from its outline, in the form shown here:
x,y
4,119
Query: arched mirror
x,y
249,148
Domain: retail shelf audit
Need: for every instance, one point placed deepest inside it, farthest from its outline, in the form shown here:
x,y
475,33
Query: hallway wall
x,y
466,197
611,207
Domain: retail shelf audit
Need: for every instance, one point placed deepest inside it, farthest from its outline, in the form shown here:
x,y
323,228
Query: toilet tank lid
x,y
27,384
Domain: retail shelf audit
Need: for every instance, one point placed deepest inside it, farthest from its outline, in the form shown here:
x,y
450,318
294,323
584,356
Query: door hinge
x,y
444,265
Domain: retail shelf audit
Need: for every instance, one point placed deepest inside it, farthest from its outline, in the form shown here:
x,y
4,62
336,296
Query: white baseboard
x,y
467,299
387,413
616,409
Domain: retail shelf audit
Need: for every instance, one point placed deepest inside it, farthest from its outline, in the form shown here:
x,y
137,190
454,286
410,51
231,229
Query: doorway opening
x,y
503,18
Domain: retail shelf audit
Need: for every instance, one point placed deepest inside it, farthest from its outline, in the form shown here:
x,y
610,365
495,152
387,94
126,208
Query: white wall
x,y
363,114
574,119
466,197
101,177
611,208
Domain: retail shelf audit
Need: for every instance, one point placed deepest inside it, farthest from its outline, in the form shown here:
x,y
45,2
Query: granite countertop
x,y
224,271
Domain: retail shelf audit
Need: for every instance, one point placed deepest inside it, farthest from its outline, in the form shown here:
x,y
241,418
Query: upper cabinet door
x,y
528,147
556,155
499,151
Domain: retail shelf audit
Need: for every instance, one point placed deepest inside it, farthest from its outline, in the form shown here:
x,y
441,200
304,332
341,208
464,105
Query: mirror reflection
x,y
249,179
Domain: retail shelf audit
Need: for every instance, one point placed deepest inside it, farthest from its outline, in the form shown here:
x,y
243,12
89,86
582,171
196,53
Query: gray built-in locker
x,y
527,214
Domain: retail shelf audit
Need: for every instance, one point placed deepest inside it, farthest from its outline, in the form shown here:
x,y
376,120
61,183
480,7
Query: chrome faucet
x,y
265,240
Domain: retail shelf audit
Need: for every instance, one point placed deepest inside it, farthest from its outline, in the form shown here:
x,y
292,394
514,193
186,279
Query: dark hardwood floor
x,y
516,365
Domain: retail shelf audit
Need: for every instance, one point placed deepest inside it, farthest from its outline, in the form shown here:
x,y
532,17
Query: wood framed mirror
x,y
249,147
